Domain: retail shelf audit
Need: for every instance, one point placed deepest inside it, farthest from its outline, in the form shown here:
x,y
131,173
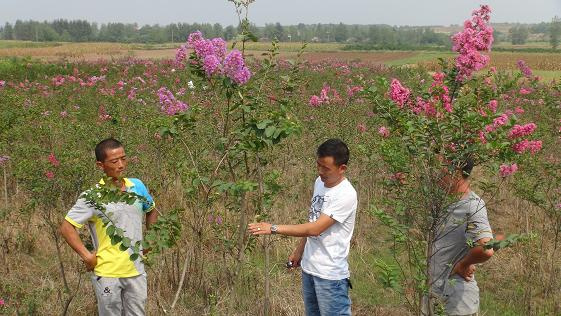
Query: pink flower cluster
x,y
493,105
440,92
55,163
526,71
2,83
58,81
507,170
384,131
525,91
398,93
169,104
497,122
49,175
315,101
4,159
102,114
131,95
351,91
324,98
521,130
533,146
477,36
52,159
214,58
361,127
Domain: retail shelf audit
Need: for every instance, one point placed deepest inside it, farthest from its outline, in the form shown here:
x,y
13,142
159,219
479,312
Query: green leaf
x,y
270,130
115,239
126,242
110,230
134,256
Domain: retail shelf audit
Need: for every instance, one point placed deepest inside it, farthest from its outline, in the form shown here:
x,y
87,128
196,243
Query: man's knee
x,y
135,294
333,297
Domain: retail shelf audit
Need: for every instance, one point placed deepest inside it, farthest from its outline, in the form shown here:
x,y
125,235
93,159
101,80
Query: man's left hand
x,y
259,228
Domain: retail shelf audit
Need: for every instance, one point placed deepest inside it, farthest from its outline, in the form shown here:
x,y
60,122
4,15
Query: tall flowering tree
x,y
250,111
433,130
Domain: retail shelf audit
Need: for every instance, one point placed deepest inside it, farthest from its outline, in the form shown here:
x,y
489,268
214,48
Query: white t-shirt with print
x,y
325,256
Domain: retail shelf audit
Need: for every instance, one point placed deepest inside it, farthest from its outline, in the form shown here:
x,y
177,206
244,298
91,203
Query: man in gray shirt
x,y
458,247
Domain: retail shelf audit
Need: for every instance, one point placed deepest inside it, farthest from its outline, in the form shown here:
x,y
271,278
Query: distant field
x,y
26,44
546,65
508,45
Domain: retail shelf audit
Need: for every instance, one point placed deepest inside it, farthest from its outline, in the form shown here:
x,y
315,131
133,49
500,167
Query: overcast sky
x,y
393,12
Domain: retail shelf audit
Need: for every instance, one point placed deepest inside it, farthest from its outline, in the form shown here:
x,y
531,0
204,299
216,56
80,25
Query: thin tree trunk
x,y
5,188
242,232
180,287
267,300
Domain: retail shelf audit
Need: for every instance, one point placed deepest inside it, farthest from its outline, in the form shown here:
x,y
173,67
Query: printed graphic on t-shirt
x,y
315,208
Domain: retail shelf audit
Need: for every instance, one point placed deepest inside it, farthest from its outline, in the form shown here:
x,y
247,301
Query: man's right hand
x,y
90,260
466,271
295,259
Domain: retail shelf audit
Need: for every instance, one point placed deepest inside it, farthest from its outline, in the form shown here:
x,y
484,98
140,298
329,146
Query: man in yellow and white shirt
x,y
120,284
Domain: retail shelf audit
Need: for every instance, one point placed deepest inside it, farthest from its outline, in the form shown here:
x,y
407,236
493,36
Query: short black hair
x,y
467,167
335,148
104,145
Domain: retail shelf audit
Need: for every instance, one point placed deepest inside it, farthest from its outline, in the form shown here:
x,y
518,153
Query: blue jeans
x,y
325,297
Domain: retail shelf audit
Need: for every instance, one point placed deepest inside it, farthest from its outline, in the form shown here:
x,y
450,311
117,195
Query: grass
x,y
548,75
508,45
5,44
421,57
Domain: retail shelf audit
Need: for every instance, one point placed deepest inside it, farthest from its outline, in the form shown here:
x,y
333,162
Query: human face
x,y
329,172
449,180
115,162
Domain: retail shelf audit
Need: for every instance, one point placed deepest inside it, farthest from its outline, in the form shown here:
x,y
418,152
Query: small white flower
x,y
204,88
190,85
173,70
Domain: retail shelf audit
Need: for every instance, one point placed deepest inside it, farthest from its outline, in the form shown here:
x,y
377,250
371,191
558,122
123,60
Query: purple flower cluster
x,y
526,71
181,54
4,159
235,69
169,104
476,37
215,59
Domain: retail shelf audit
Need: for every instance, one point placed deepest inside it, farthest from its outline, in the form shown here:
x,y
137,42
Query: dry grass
x,y
30,262
314,52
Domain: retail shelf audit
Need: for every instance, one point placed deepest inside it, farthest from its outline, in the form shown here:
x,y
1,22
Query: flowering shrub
x,y
437,128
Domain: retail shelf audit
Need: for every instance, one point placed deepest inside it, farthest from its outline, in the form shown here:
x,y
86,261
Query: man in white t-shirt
x,y
322,252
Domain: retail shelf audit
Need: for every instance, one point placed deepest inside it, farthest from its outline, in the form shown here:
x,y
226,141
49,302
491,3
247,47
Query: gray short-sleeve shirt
x,y
466,223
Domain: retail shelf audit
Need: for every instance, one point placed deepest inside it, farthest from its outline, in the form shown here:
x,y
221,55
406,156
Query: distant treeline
x,y
372,36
